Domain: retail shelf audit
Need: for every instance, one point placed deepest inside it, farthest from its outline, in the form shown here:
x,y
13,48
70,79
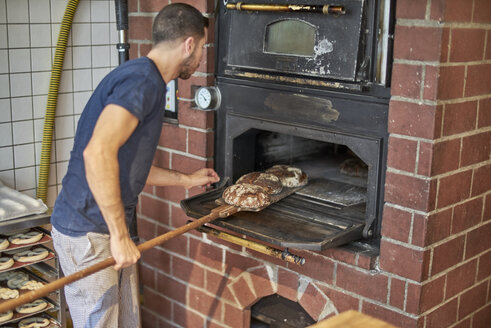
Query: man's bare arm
x,y
114,126
165,177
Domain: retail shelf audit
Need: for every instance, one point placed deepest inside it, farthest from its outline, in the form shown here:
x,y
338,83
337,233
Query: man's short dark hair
x,y
178,21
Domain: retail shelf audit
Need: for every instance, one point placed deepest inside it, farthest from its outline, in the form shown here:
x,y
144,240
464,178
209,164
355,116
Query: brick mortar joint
x,y
183,153
408,22
442,175
451,299
440,242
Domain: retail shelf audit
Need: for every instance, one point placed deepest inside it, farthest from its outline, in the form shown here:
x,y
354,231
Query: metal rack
x,y
45,270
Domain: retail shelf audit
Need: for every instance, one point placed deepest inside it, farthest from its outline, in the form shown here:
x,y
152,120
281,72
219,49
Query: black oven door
x,y
296,43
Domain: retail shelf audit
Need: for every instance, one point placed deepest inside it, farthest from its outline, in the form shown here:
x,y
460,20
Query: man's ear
x,y
189,46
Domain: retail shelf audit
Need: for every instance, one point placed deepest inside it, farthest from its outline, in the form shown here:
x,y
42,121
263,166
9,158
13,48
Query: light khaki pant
x,y
107,298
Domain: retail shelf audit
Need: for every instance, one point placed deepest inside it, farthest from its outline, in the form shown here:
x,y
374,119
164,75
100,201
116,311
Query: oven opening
x,y
337,176
279,312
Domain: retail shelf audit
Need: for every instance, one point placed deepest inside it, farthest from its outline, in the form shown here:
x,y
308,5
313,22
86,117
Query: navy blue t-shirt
x,y
138,87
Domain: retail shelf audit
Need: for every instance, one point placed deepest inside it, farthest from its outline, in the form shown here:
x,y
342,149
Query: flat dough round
x,y
35,306
289,176
7,293
31,255
6,316
34,322
6,262
354,167
269,182
26,238
246,196
4,243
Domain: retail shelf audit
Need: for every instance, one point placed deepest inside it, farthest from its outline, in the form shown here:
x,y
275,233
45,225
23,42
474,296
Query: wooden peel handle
x,y
219,212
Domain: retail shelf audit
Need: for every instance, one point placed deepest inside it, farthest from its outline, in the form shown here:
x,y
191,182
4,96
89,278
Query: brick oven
x,y
431,264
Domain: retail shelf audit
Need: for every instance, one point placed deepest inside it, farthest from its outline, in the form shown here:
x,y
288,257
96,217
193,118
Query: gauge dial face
x,y
203,98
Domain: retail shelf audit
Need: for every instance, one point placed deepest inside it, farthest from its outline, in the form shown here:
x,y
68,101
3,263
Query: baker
x,y
111,162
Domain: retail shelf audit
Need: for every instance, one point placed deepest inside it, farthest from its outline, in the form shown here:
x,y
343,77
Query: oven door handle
x,y
321,9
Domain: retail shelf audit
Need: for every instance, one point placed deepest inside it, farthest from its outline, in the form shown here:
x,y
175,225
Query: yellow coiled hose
x,y
54,85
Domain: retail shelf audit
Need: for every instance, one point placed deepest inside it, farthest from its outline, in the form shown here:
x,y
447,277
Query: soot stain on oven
x,y
310,106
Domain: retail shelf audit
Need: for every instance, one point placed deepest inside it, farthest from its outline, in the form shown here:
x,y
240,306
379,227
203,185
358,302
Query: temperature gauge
x,y
207,98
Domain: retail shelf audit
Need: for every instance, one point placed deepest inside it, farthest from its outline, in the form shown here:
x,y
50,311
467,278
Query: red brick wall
x,y
434,265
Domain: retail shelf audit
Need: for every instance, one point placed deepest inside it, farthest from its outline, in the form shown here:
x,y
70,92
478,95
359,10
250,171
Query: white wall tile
x,y
38,131
76,119
100,33
39,11
30,193
18,36
112,12
101,56
81,34
20,60
4,61
40,83
82,57
24,155
52,178
51,196
80,99
3,12
40,35
17,11
20,84
23,132
66,83
25,178
64,127
39,105
5,134
6,158
3,36
21,108
98,74
61,169
113,35
8,178
99,11
82,79
65,104
4,86
82,15
57,10
41,59
63,149
5,112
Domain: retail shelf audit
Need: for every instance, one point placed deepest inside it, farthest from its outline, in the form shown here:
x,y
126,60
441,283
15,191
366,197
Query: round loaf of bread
x,y
6,316
246,196
289,176
269,182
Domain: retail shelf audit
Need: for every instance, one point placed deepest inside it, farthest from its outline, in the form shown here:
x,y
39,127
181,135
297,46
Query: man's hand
x,y
124,252
202,177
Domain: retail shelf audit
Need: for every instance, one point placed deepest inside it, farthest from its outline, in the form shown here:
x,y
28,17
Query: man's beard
x,y
186,68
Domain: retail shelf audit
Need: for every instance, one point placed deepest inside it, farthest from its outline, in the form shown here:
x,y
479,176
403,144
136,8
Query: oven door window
x,y
290,37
